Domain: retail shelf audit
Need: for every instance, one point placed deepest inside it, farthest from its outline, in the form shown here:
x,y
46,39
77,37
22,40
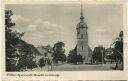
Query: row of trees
x,y
59,55
102,55
114,53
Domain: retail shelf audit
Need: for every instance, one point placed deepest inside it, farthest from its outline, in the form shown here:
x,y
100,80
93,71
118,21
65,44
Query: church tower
x,y
82,39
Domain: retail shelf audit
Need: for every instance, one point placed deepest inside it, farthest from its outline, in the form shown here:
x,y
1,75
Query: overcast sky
x,y
48,23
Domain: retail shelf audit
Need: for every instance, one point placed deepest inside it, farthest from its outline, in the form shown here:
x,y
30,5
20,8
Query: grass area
x,y
69,67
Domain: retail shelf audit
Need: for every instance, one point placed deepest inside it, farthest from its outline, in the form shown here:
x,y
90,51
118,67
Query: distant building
x,y
45,52
39,56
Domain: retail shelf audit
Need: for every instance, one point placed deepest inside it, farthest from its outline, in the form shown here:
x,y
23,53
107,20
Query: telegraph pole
x,y
102,57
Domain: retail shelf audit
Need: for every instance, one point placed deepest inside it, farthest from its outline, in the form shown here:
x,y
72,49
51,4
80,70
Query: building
x,y
82,39
41,55
45,52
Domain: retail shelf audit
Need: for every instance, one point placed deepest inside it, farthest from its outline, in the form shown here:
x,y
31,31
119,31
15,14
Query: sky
x,y
49,23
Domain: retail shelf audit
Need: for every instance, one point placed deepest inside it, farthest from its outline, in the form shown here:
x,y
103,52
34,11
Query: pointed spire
x,y
81,9
82,17
82,23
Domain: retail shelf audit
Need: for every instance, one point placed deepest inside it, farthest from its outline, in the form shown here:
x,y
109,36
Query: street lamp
x,y
102,57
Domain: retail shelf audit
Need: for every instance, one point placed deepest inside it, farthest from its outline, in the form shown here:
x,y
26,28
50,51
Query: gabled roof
x,y
41,50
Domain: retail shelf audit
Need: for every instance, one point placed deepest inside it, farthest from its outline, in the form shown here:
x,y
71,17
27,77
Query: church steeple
x,y
82,23
82,38
82,17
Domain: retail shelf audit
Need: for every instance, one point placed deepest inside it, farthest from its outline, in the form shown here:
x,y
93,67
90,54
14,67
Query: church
x,y
83,48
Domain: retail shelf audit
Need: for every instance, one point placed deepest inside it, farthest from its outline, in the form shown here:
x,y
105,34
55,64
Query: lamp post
x,y
102,57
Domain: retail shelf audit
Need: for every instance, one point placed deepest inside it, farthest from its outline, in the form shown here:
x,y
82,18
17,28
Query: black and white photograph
x,y
63,37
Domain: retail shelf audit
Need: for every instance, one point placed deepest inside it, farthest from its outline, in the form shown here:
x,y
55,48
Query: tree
x,y
109,55
118,49
59,51
97,54
19,54
11,39
79,58
26,58
118,43
73,57
63,58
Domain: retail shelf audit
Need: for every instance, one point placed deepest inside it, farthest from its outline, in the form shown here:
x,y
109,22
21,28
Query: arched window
x,y
82,47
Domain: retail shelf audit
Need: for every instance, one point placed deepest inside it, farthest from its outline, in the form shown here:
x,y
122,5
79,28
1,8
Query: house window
x,y
82,47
